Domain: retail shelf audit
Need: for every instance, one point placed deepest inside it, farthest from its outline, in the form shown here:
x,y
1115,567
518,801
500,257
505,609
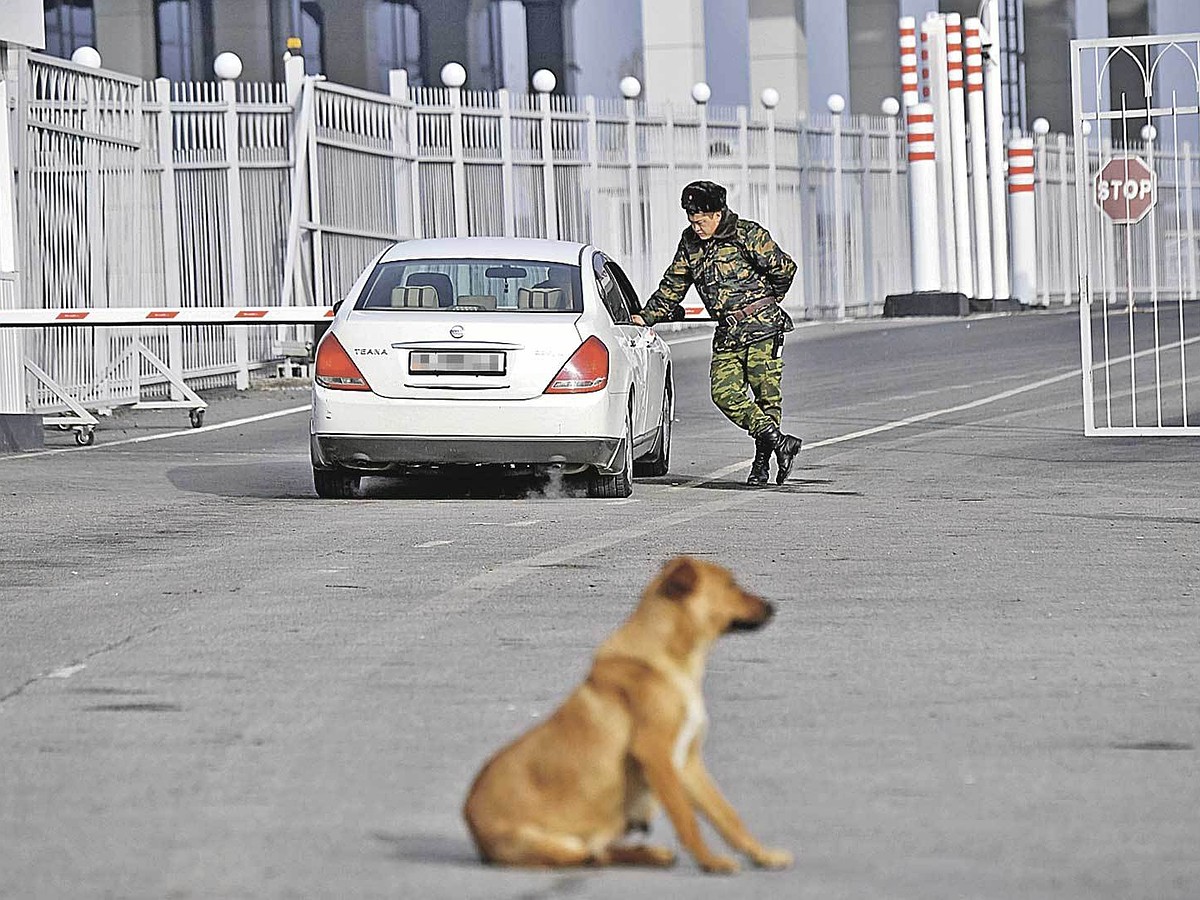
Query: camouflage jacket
x,y
738,265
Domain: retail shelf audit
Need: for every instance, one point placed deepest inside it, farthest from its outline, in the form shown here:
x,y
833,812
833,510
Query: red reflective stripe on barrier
x,y
162,314
1020,151
329,314
920,117
1020,188
921,157
1020,170
71,315
249,313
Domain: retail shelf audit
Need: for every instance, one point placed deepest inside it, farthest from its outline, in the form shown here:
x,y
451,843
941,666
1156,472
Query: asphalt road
x,y
982,681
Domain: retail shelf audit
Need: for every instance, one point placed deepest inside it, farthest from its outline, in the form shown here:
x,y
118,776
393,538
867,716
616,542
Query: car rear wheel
x,y
621,484
658,461
335,484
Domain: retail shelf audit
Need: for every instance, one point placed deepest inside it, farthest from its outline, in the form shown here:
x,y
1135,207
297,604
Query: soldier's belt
x,y
732,318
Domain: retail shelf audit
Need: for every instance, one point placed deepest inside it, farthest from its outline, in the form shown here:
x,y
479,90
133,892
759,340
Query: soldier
x,y
740,274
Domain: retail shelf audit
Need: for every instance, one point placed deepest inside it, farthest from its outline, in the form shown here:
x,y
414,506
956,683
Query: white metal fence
x,y
241,194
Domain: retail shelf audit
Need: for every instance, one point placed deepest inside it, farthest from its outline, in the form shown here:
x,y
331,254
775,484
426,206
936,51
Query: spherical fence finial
x,y
769,98
544,81
227,66
1085,128
87,56
453,75
1149,133
1041,125
836,104
890,106
631,88
701,92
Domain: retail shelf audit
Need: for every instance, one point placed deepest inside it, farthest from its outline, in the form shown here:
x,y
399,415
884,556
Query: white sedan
x,y
506,352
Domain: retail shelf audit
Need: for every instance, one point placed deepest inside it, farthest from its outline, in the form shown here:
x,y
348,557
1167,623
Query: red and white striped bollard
x,y
978,146
1024,224
923,199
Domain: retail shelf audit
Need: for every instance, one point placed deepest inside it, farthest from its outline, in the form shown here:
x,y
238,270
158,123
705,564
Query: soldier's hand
x,y
638,320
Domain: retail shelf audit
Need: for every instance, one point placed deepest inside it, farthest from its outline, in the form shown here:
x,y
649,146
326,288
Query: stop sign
x,y
1126,189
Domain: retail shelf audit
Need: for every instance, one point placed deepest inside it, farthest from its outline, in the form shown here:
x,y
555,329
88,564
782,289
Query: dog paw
x,y
719,865
767,858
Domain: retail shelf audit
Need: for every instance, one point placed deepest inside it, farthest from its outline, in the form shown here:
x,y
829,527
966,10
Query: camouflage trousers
x,y
757,367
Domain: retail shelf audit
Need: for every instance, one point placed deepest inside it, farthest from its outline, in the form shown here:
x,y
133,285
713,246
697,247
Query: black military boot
x,y
786,446
760,471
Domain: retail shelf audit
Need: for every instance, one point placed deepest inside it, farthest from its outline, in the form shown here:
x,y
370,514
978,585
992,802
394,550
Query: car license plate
x,y
429,362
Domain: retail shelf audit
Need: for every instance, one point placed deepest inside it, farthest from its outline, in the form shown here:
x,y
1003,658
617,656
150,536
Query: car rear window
x,y
473,285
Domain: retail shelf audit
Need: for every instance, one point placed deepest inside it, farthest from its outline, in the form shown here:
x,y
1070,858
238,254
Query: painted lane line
x,y
524,523
889,426
67,671
249,420
429,544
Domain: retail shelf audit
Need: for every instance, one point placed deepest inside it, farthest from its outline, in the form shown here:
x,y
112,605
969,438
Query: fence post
x,y
543,83
772,159
891,109
593,158
458,165
172,283
12,341
1067,224
865,202
836,104
401,197
237,232
701,93
743,121
508,204
1040,127
636,234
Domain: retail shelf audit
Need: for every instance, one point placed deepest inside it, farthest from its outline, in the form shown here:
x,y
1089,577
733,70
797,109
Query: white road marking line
x,y
429,544
888,426
249,420
522,524
67,671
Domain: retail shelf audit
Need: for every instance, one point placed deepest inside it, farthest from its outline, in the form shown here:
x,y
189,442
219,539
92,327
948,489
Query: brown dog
x,y
625,740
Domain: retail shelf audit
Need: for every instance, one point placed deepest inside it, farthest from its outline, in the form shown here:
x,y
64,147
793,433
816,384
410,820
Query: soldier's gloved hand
x,y
637,320
678,314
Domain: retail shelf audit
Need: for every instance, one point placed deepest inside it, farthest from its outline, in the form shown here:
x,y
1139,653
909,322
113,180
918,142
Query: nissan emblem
x,y
456,331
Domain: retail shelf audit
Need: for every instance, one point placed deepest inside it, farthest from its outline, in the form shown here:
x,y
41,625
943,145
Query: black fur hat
x,y
703,197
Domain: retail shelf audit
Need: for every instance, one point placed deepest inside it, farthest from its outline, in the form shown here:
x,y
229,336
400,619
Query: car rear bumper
x,y
384,452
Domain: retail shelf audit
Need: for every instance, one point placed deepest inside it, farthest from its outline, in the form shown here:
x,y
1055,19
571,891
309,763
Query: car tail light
x,y
584,372
335,368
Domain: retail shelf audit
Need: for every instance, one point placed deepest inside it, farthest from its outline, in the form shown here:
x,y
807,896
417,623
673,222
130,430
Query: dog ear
x,y
679,578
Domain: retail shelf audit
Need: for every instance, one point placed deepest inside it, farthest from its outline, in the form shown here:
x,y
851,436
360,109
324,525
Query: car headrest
x,y
407,297
541,298
439,281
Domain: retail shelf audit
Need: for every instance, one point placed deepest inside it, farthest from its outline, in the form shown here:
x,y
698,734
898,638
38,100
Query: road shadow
x,y
437,849
266,480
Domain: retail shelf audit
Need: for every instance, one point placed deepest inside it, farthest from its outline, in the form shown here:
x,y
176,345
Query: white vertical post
x,y
964,263
770,99
1064,223
866,195
237,231
1024,230
401,198
593,158
1041,196
994,120
891,108
12,354
636,235
836,104
543,83
743,121
508,202
172,280
979,185
701,93
933,32
923,199
1190,231
458,165
908,62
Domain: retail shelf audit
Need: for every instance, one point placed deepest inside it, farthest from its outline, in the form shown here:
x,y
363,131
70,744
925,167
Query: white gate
x,y
1137,123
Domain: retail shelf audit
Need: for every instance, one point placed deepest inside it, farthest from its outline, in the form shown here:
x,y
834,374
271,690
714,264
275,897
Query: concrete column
x,y
245,29
603,44
829,50
672,48
1048,33
779,54
125,37
498,56
874,55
